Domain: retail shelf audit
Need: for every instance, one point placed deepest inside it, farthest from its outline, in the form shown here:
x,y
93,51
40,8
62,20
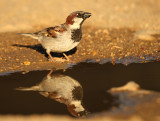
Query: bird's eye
x,y
79,15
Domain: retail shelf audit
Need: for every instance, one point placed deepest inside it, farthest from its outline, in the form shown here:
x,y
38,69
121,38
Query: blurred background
x,y
17,15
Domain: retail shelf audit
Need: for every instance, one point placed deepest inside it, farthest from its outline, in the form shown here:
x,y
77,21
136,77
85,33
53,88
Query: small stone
x,y
94,53
24,72
26,63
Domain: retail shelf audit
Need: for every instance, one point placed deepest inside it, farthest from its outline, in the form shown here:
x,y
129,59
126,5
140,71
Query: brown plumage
x,y
62,38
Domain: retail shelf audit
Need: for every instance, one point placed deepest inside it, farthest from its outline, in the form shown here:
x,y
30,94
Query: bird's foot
x,y
55,59
67,58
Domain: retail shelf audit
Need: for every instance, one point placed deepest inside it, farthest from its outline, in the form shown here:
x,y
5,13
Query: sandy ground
x,y
20,53
117,30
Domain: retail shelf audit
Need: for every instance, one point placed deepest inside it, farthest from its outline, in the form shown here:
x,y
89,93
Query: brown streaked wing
x,y
48,32
51,31
60,28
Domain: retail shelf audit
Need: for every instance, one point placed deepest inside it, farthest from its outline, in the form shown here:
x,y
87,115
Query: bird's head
x,y
76,109
75,19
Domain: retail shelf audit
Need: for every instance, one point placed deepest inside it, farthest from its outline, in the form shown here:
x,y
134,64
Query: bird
x,y
61,88
61,38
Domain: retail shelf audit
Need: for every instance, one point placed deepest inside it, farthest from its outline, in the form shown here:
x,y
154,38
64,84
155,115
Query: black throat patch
x,y
77,93
76,35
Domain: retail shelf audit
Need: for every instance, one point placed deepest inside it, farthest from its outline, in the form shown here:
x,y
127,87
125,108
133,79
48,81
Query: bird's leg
x,y
59,60
54,59
49,74
66,57
51,58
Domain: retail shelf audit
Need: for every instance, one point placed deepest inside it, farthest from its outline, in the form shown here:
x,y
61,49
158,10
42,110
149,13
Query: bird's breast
x,y
63,42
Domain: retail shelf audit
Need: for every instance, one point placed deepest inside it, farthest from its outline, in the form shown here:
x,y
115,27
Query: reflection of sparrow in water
x,y
63,89
62,38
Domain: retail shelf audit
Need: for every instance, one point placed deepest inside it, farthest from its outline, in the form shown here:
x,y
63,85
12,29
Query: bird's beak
x,y
83,113
87,15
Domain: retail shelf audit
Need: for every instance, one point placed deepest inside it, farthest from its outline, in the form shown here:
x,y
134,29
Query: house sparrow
x,y
61,38
63,89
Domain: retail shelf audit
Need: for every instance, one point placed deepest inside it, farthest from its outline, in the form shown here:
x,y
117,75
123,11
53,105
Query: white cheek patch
x,y
76,24
78,106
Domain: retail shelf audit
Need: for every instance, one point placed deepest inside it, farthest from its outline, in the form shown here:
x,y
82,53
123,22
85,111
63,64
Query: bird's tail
x,y
32,35
33,88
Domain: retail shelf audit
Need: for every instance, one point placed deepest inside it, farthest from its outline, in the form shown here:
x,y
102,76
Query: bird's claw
x,y
57,60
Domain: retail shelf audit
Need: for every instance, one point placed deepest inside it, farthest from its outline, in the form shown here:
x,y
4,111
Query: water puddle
x,y
77,90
